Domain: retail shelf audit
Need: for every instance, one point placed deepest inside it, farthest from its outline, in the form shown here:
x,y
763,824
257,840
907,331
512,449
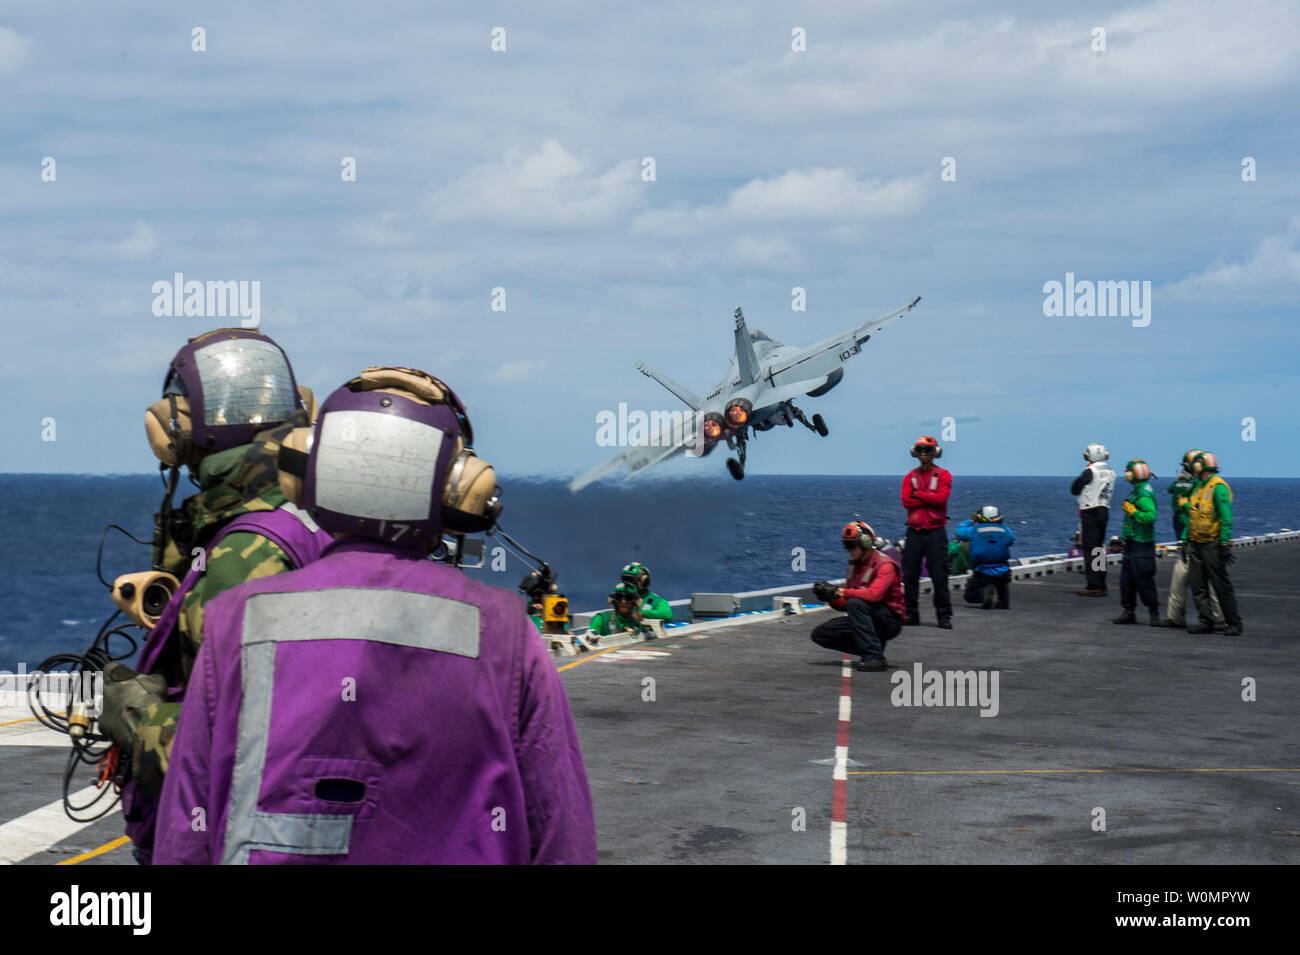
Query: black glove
x,y
824,591
1226,555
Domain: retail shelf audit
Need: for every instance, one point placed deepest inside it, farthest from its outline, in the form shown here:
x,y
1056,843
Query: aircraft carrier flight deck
x,y
740,741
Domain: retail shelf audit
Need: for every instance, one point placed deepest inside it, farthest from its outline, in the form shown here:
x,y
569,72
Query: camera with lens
x,y
142,596
545,599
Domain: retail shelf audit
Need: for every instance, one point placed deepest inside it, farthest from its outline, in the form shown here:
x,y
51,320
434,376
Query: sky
x,y
866,153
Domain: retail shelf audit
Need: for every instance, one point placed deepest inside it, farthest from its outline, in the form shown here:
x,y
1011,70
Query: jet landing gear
x,y
737,468
816,424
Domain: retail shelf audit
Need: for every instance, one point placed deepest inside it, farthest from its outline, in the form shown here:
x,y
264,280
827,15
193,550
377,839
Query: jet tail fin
x,y
688,396
745,357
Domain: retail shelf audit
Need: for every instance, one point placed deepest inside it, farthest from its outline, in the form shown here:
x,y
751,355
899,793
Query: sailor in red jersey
x,y
925,496
872,597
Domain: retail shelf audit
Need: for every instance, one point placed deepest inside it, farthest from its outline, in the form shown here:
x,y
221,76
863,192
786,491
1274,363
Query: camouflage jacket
x,y
238,481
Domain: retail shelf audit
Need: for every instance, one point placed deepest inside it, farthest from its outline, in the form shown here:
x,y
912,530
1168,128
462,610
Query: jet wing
x,y
640,458
817,361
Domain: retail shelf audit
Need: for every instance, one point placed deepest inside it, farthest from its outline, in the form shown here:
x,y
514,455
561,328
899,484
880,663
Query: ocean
x,y
709,534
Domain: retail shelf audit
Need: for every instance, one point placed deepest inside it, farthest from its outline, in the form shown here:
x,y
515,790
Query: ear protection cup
x,y
860,532
292,464
168,427
470,501
308,400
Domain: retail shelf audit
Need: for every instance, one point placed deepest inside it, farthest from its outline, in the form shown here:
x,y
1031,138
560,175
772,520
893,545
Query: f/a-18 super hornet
x,y
757,393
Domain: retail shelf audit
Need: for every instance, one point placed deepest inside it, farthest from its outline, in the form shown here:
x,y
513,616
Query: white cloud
x,y
549,187
815,196
823,195
769,251
515,370
1271,273
138,245
13,50
1162,53
381,231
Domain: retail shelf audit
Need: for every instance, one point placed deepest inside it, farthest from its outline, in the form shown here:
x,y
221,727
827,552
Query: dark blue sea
x,y
696,534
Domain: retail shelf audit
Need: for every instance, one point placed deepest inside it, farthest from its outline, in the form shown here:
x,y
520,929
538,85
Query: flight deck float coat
x,y
607,622
282,528
874,580
925,496
1093,487
1140,526
1209,512
990,547
241,519
374,708
654,607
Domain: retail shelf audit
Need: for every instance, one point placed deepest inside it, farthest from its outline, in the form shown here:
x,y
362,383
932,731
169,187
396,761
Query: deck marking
x,y
106,847
29,719
42,828
839,777
978,772
586,658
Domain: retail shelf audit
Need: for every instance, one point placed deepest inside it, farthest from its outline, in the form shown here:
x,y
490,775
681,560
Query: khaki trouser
x,y
1178,593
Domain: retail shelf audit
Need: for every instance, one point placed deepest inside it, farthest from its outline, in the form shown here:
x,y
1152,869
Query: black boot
x,y
1126,617
913,619
1154,615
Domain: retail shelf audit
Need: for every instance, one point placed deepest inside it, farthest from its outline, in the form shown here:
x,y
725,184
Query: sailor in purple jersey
x,y
376,707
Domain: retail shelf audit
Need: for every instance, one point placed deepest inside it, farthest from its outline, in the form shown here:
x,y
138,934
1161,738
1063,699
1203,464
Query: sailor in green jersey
x,y
653,607
1181,491
626,614
1208,544
1138,573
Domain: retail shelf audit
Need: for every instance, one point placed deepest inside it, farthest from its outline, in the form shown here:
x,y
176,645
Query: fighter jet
x,y
757,394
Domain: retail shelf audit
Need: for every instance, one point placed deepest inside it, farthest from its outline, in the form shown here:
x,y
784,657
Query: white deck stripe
x,y
41,828
840,828
839,843
31,734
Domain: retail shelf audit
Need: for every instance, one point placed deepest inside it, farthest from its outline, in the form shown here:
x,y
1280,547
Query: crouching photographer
x,y
872,597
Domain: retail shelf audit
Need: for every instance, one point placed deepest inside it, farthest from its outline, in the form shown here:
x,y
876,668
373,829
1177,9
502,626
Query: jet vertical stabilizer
x,y
746,360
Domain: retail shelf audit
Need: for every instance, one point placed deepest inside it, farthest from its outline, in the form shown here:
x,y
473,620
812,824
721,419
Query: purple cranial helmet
x,y
390,459
237,382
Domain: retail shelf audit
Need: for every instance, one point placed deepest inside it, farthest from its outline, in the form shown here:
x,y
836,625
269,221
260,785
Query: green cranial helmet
x,y
1141,471
638,575
1209,461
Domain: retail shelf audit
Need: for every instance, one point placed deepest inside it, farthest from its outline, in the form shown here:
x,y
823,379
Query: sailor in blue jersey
x,y
990,550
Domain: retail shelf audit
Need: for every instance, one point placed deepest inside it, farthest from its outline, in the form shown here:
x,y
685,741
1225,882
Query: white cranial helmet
x,y
1096,452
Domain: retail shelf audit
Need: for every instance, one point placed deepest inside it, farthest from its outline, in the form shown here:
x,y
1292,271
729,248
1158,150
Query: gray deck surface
x,y
742,732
